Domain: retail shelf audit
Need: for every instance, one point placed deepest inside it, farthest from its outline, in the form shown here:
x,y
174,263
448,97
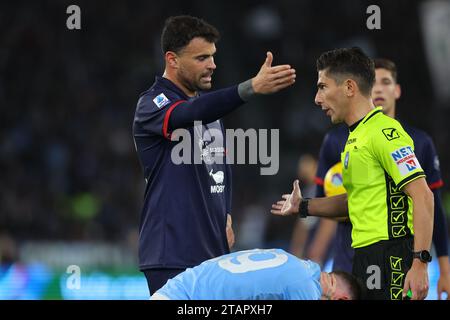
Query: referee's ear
x,y
398,91
351,87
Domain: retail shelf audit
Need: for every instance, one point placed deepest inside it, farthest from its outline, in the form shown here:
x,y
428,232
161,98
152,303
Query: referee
x,y
385,93
388,200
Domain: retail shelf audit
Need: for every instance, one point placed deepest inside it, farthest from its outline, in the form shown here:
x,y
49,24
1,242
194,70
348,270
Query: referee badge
x,y
347,155
391,133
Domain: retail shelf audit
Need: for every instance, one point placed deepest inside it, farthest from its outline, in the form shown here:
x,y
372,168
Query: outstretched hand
x,y
271,79
290,203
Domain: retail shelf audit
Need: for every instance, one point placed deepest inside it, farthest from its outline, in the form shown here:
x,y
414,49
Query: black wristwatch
x,y
303,208
423,255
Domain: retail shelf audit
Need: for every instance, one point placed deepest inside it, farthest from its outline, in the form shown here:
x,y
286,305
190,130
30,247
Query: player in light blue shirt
x,y
259,274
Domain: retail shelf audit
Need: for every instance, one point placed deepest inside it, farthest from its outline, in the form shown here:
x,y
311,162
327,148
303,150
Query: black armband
x,y
245,90
303,208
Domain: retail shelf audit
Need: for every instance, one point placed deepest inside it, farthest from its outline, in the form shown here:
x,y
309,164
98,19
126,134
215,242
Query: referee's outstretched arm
x,y
326,207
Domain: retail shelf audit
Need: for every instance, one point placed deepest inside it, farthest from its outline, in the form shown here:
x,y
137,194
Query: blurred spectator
x,y
8,250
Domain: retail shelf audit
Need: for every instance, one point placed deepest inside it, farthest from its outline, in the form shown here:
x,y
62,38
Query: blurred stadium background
x,y
70,183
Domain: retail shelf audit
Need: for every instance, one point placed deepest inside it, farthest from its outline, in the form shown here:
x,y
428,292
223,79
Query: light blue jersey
x,y
258,274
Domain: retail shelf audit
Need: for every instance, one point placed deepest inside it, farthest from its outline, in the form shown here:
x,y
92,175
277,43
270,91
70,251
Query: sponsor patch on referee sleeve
x,y
406,160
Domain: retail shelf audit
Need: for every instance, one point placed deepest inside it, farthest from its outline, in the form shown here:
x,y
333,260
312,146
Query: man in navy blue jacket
x,y
185,218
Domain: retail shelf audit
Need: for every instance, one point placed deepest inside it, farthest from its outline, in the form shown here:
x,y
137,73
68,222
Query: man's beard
x,y
193,85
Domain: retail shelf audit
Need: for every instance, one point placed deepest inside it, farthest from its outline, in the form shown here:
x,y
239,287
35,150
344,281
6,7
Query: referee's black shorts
x,y
394,259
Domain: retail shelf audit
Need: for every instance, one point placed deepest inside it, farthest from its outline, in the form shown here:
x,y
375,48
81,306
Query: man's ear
x,y
171,59
350,87
398,91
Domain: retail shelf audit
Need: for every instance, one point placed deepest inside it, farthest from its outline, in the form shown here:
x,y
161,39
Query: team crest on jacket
x,y
347,156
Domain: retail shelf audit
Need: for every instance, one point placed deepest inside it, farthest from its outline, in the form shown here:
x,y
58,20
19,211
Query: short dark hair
x,y
180,30
349,62
354,284
389,65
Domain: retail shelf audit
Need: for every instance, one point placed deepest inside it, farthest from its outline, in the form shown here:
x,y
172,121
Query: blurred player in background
x,y
186,216
306,169
259,274
305,230
388,202
385,93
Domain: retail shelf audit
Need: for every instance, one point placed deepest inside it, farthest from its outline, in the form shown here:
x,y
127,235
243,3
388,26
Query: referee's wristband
x,y
303,208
